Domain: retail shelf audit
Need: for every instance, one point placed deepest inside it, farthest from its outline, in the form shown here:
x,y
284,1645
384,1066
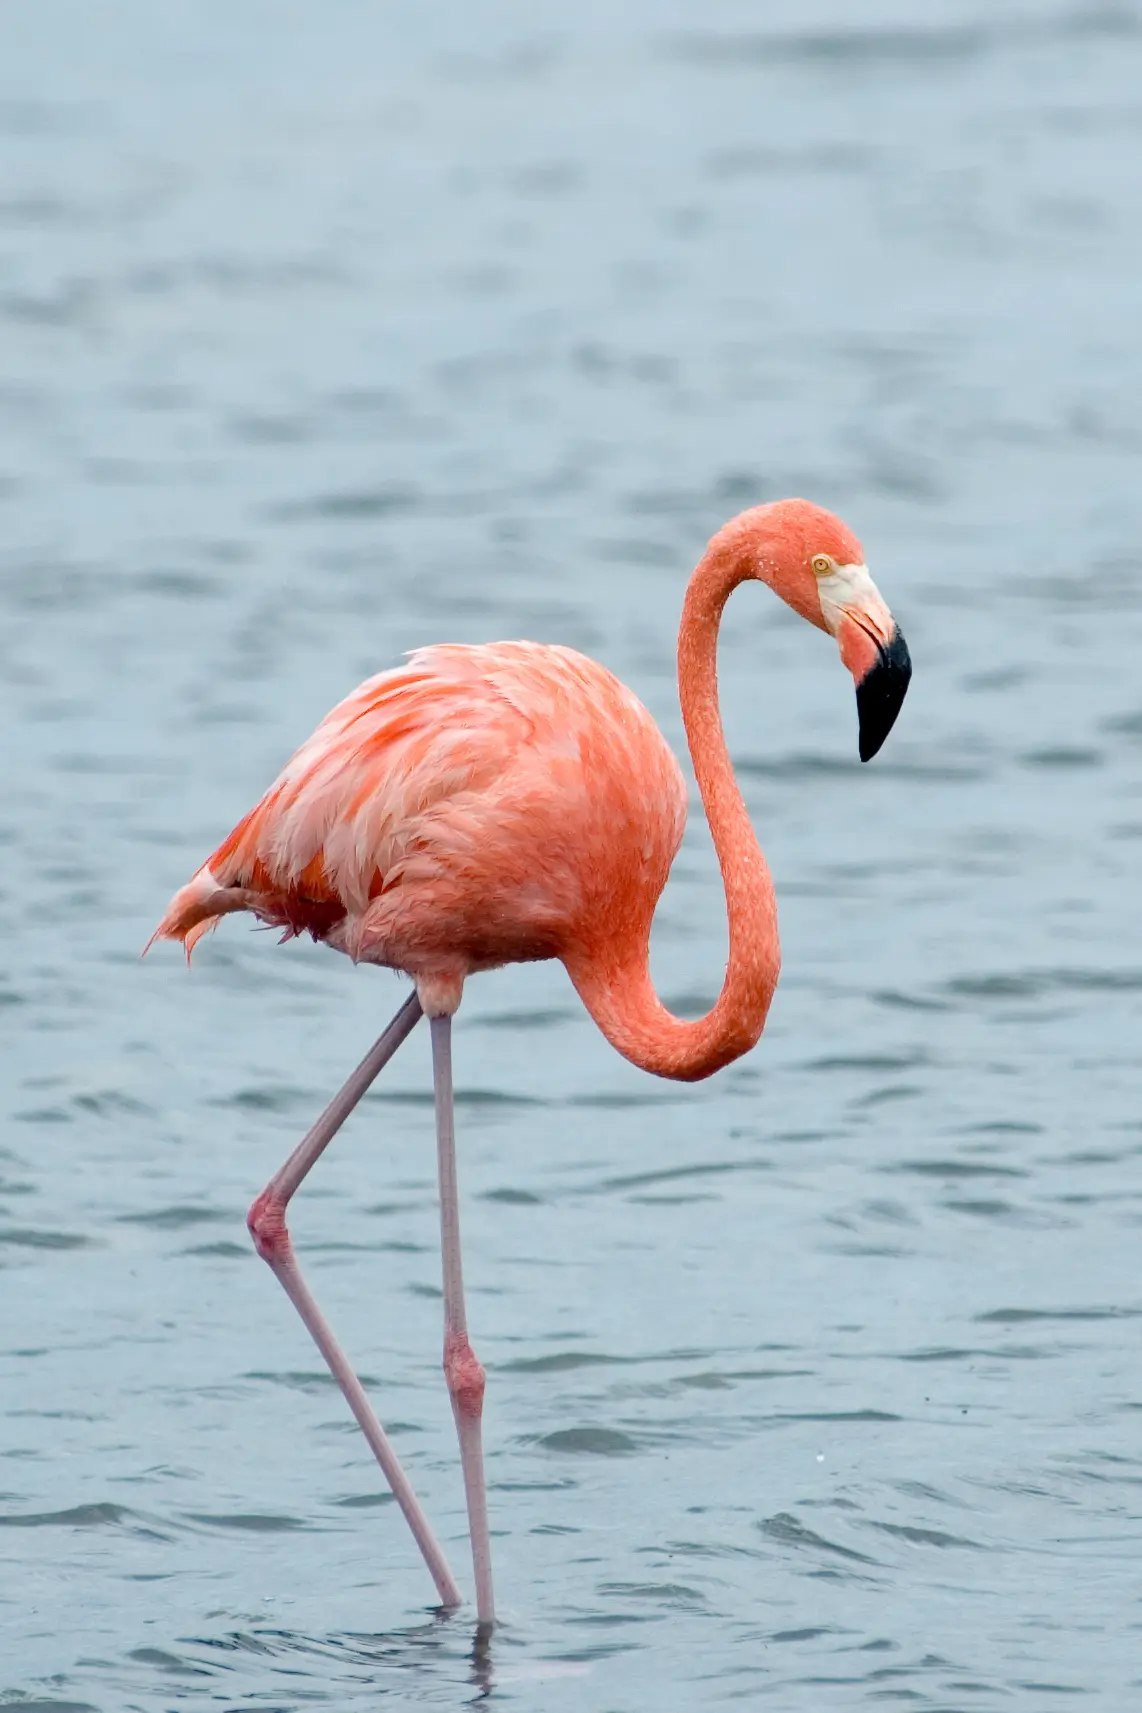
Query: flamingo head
x,y
816,564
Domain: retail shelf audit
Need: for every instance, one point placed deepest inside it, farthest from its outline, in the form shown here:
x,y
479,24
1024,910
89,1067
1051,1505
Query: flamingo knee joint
x,y
266,1221
465,1375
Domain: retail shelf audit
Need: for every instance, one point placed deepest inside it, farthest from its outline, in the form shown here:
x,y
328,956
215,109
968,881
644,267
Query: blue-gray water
x,y
330,329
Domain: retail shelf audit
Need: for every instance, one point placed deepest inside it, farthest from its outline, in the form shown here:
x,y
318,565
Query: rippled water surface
x,y
328,330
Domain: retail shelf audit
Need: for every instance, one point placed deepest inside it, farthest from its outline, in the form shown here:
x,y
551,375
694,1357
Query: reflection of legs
x,y
465,1375
267,1223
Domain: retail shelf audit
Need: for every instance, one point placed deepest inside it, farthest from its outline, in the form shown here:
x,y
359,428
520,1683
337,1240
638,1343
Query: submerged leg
x,y
464,1373
267,1223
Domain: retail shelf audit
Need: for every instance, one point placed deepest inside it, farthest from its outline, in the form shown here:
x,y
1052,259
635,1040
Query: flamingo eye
x,y
822,564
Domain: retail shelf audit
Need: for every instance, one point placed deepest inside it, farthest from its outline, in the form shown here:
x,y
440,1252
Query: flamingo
x,y
509,802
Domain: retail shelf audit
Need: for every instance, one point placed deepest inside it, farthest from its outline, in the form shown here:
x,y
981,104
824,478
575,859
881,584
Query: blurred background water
x,y
329,330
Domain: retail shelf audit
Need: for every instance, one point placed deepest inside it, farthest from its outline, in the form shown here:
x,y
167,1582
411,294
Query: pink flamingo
x,y
489,805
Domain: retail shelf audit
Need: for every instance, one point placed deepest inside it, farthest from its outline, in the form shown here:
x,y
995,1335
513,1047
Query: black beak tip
x,y
881,693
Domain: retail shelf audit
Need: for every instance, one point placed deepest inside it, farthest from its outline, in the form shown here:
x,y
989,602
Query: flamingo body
x,y
475,807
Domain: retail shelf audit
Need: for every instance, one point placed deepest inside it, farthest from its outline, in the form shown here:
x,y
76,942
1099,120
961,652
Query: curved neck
x,y
617,989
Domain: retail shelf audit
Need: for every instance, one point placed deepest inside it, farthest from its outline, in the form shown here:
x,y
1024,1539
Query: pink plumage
x,y
476,807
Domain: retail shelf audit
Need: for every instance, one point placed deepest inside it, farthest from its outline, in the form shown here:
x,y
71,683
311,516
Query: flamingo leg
x,y
464,1373
267,1223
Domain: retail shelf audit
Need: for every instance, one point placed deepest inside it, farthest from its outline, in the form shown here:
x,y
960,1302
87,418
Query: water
x,y
326,331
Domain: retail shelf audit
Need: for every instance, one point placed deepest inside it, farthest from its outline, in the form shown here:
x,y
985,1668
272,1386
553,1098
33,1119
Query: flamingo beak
x,y
880,693
872,648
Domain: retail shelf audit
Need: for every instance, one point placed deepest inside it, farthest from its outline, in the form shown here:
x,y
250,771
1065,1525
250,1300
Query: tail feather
x,y
196,909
